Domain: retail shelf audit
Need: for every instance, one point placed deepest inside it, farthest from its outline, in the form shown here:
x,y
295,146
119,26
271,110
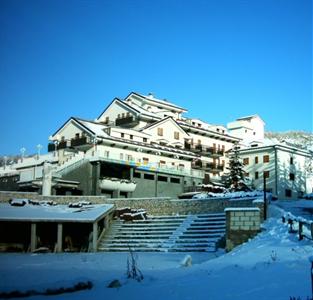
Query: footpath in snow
x,y
274,265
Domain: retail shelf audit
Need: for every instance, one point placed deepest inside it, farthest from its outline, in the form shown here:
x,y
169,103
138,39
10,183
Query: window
x,y
266,158
131,136
76,135
246,161
246,174
291,176
121,156
291,160
127,114
145,160
288,193
175,180
123,115
162,178
119,116
162,162
256,159
137,175
176,135
122,135
145,140
256,175
129,157
266,174
148,176
160,131
107,119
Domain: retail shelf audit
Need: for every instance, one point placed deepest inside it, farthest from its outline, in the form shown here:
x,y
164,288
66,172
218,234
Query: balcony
x,y
204,150
51,147
213,152
129,121
197,165
79,141
60,145
211,167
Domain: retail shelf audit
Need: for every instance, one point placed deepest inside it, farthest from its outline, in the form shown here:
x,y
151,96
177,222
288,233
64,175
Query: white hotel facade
x,y
144,147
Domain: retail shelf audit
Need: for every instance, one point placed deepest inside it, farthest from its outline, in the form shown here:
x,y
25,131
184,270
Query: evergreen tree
x,y
236,171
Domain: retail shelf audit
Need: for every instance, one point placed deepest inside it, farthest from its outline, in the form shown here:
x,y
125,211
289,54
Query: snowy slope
x,y
274,265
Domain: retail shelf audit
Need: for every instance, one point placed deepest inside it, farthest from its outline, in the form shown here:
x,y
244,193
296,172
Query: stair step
x,y
166,233
131,237
213,215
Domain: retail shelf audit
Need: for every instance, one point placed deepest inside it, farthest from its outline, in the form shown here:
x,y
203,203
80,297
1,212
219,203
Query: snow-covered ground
x,y
274,265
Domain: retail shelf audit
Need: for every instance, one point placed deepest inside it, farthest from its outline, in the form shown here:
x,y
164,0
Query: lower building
x,y
285,169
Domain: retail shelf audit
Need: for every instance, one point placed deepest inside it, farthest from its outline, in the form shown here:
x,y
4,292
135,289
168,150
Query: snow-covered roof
x,y
157,101
61,213
96,128
248,118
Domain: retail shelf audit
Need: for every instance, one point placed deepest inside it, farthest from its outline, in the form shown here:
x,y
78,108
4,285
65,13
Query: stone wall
x,y
154,206
241,224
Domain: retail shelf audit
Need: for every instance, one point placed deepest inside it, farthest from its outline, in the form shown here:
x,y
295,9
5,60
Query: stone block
x,y
249,213
245,227
239,214
248,223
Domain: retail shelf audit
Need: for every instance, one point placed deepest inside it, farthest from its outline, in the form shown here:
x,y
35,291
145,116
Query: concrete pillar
x,y
33,237
47,179
59,247
116,194
95,178
95,236
107,222
156,184
131,173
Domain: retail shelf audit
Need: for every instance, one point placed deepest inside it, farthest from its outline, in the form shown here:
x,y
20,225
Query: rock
x,y
114,284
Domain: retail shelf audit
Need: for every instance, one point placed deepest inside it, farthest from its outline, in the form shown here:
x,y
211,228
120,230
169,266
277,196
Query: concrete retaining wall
x,y
154,206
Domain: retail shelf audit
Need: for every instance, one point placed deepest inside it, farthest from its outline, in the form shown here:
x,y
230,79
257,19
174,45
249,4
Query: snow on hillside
x,y
274,265
299,139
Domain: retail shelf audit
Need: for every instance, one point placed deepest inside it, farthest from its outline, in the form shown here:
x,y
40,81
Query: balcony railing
x,y
79,141
211,167
127,121
204,150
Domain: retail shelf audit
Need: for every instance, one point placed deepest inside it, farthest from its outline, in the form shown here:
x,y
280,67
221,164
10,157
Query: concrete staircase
x,y
166,233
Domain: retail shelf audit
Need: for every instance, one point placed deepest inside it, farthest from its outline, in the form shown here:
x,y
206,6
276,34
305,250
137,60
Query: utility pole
x,y
264,197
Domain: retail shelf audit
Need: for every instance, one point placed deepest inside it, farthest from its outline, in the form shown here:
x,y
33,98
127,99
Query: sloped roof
x,y
156,101
119,101
163,121
90,126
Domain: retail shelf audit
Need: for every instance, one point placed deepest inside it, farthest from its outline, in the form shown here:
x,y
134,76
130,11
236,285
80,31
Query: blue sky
x,y
220,59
